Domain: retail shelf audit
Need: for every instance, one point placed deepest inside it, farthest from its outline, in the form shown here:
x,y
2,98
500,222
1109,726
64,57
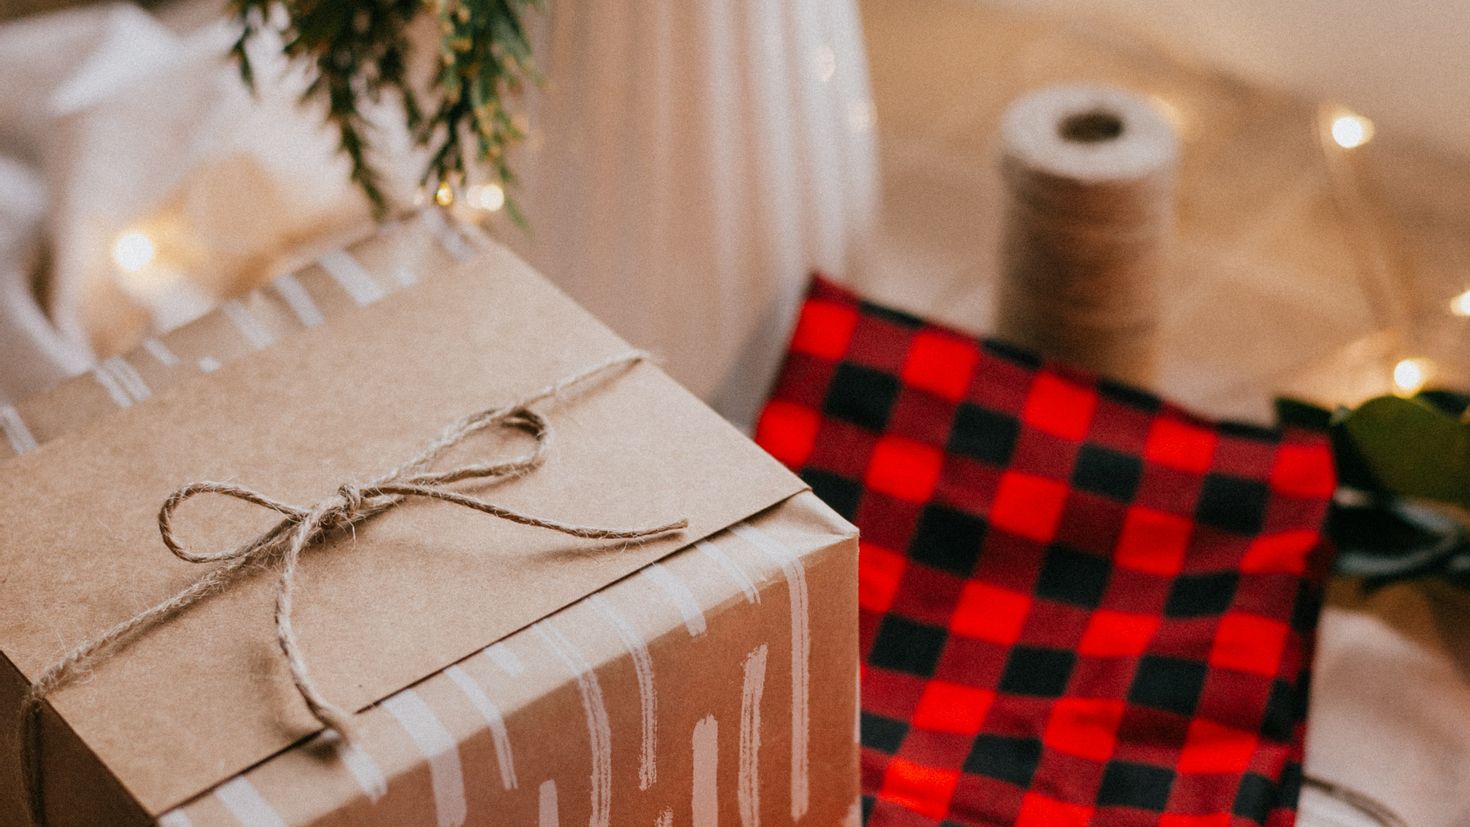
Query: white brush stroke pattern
x,y
15,430
352,277
128,377
361,766
300,301
438,748
752,688
449,238
731,568
114,388
505,659
801,647
637,649
158,350
599,728
493,719
244,321
246,804
705,801
680,595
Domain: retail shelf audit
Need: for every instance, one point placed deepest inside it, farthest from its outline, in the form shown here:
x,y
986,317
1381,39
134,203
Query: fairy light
x,y
1460,305
487,197
132,251
444,195
1351,130
1409,376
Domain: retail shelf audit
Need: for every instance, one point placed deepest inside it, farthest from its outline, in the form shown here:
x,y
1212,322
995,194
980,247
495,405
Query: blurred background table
x,y
1273,283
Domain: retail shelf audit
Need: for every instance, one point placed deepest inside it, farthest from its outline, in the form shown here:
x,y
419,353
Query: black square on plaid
x,y
898,317
906,646
948,539
984,434
1011,353
837,491
1170,684
1008,759
1306,608
882,732
1128,395
1107,472
1033,670
1072,576
1135,785
1201,595
1281,711
862,396
1232,503
1253,798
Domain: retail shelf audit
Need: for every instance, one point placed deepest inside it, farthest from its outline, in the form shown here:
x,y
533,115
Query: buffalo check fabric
x,y
1079,604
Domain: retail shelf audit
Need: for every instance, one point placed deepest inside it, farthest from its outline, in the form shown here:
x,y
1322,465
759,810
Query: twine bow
x,y
301,527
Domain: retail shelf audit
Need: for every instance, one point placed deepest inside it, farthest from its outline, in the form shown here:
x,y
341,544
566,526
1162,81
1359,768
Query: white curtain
x,y
689,164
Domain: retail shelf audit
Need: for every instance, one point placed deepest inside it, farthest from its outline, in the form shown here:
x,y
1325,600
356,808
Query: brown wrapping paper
x,y
398,255
623,683
178,717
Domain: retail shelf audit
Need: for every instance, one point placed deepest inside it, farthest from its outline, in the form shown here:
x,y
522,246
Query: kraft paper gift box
x,y
498,673
393,257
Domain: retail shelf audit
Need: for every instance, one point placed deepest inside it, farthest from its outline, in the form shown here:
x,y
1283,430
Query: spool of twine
x,y
1089,174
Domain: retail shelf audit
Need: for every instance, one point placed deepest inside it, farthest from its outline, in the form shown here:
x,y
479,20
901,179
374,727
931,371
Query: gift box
x,y
493,671
361,273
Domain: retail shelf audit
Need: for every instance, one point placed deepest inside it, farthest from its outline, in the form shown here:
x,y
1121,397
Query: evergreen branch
x,y
359,54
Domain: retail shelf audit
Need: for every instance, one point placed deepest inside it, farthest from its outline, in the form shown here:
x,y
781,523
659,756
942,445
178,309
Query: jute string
x,y
301,527
1089,174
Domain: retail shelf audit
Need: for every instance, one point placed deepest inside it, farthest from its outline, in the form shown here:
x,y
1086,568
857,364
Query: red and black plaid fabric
x,y
1079,603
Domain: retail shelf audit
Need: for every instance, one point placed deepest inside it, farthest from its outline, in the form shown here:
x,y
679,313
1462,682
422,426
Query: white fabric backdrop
x,y
689,164
115,119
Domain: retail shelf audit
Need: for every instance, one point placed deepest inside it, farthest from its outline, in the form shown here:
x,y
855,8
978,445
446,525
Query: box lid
x,y
205,695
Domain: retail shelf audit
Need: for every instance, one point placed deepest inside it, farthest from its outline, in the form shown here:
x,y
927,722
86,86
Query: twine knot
x,y
303,527
352,499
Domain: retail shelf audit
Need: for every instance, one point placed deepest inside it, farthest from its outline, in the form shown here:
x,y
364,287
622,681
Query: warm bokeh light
x,y
487,197
1409,376
444,195
1351,130
132,251
1460,305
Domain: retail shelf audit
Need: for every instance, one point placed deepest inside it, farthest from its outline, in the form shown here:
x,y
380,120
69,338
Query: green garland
x,y
1402,508
358,53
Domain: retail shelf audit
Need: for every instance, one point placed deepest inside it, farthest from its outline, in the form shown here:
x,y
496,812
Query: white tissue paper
x,y
135,124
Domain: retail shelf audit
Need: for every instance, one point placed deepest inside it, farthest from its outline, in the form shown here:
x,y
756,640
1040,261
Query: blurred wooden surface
x,y
1266,290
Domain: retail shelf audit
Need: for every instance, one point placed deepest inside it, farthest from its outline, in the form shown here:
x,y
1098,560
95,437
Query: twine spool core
x,y
1089,175
1091,127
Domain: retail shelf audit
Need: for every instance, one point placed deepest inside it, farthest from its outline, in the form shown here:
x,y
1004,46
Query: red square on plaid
x,y
1078,602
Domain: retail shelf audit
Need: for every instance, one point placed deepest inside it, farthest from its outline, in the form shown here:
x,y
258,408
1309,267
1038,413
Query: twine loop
x,y
302,527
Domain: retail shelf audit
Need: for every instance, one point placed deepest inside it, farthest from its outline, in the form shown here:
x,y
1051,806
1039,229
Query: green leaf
x,y
1392,538
1412,447
1298,413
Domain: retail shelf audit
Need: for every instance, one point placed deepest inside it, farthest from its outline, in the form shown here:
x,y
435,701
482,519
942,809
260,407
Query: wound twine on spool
x,y
1089,214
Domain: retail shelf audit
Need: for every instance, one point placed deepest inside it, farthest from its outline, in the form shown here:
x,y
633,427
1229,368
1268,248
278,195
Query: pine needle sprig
x,y
358,53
